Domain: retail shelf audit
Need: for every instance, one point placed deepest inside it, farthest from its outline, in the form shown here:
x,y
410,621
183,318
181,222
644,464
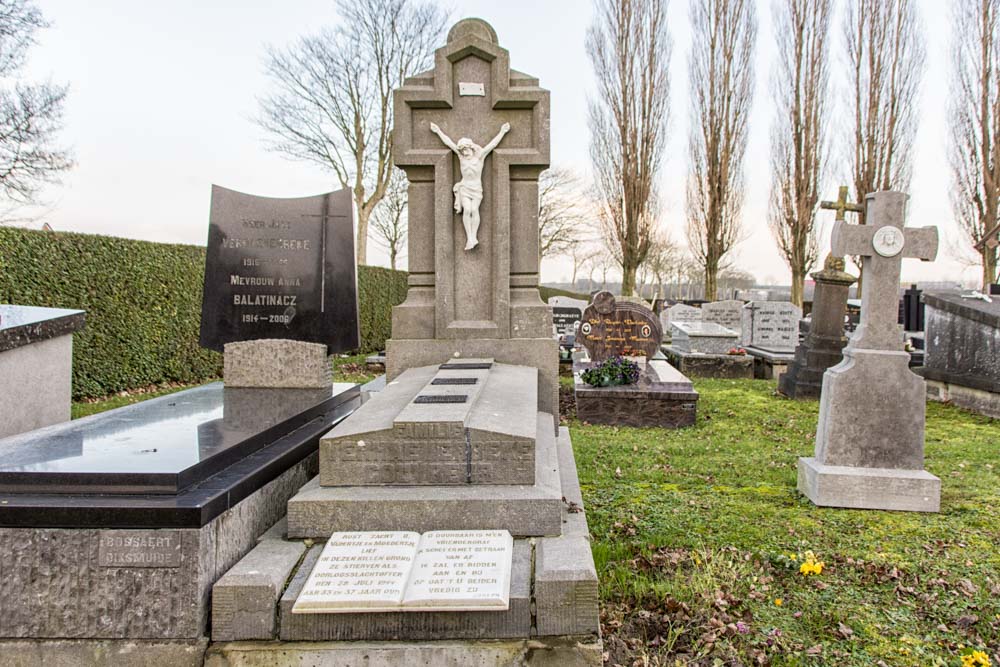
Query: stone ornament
x,y
888,241
469,190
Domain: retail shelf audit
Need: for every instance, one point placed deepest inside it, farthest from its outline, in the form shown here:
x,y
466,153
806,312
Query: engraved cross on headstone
x,y
477,292
882,244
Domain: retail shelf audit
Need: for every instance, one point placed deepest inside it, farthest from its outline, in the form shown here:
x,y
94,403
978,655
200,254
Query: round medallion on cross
x,y
888,241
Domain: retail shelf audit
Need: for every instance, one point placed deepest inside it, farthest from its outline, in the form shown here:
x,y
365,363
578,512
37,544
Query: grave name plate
x,y
280,268
445,570
619,328
565,319
771,325
135,548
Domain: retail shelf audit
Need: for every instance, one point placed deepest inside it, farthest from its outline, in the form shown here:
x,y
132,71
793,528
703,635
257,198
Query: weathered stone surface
x,y
488,438
318,511
984,402
566,600
710,365
613,328
512,623
101,653
289,364
662,397
541,652
703,338
47,367
53,585
728,313
869,488
679,312
771,325
963,341
244,599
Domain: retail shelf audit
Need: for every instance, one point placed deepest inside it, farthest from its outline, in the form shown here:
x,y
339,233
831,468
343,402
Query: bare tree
x,y
721,66
332,103
663,256
799,87
388,220
885,53
975,114
30,113
629,48
581,254
561,211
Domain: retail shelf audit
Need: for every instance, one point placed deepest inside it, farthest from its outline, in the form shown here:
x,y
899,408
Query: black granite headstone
x,y
565,318
280,268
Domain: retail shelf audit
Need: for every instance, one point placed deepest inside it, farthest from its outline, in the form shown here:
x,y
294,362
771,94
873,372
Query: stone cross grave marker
x,y
619,328
870,437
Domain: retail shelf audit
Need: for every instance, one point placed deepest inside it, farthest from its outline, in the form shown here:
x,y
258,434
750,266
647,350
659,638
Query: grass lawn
x,y
699,534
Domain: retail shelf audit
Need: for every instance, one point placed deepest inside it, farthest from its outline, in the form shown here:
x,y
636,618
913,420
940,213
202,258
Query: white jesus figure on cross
x,y
469,190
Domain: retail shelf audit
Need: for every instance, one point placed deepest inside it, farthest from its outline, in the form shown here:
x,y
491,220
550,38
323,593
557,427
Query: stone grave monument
x,y
770,333
679,312
705,342
663,396
36,350
447,507
870,437
728,313
703,338
822,347
136,512
962,363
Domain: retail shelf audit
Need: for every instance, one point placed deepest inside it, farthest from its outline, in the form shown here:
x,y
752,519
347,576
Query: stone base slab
x,y
101,653
548,652
730,366
526,511
290,364
869,488
977,400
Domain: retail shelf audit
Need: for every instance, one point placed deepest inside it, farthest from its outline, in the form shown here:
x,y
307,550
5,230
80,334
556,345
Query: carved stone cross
x,y
842,205
882,244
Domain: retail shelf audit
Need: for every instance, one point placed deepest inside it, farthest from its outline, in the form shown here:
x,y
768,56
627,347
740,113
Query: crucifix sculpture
x,y
469,190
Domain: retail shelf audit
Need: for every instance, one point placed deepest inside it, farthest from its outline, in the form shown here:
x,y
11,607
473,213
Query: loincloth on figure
x,y
473,191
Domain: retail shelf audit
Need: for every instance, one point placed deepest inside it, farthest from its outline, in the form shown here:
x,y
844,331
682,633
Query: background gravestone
x,y
727,313
619,328
679,312
566,312
280,269
771,325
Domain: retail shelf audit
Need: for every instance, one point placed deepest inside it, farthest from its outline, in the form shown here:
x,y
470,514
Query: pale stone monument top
x,y
882,243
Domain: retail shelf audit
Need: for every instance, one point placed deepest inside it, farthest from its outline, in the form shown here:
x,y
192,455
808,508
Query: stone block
x,y
45,366
566,597
289,364
244,599
729,366
977,400
574,518
869,488
318,511
101,653
515,622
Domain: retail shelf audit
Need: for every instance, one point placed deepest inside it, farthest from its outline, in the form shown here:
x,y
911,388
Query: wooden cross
x,y
882,244
842,205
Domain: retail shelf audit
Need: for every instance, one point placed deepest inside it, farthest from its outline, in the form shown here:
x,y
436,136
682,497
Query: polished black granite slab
x,y
194,505
24,325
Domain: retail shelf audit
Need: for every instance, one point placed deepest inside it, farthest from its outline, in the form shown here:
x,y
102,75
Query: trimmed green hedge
x,y
143,303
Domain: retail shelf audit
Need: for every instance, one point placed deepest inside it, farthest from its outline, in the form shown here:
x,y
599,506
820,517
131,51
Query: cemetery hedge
x,y
143,303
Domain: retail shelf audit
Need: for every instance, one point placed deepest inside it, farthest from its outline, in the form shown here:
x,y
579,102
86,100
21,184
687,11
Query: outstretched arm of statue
x,y
504,129
444,137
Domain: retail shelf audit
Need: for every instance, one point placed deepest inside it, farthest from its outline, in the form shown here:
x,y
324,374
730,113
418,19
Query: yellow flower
x,y
976,659
777,601
811,565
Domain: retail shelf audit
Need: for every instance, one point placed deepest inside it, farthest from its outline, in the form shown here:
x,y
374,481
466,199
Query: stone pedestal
x,y
36,366
823,346
662,397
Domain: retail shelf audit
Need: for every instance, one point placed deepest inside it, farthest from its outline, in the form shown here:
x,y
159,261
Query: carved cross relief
x,y
472,137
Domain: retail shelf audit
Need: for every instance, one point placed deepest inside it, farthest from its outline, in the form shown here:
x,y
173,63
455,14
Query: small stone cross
x,y
882,244
842,205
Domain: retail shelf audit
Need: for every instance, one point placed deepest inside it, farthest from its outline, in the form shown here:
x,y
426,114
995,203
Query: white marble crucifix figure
x,y
469,190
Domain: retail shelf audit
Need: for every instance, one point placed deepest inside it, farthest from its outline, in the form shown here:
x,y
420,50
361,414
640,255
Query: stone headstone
x,y
704,338
613,328
727,313
565,319
770,325
280,269
679,312
870,437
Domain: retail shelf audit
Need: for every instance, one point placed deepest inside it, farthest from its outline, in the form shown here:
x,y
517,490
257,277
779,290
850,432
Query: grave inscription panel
x,y
280,268
139,548
619,328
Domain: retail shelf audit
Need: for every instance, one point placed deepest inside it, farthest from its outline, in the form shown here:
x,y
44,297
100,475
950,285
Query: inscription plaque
x,y
611,328
139,548
565,319
280,268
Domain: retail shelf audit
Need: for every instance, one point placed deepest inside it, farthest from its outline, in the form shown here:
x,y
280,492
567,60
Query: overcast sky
x,y
162,96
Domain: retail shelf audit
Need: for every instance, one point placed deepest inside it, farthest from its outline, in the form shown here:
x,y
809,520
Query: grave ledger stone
x,y
823,346
870,437
473,236
463,436
280,269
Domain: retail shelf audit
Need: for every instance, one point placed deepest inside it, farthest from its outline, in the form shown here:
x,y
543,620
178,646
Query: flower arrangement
x,y
736,351
612,372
